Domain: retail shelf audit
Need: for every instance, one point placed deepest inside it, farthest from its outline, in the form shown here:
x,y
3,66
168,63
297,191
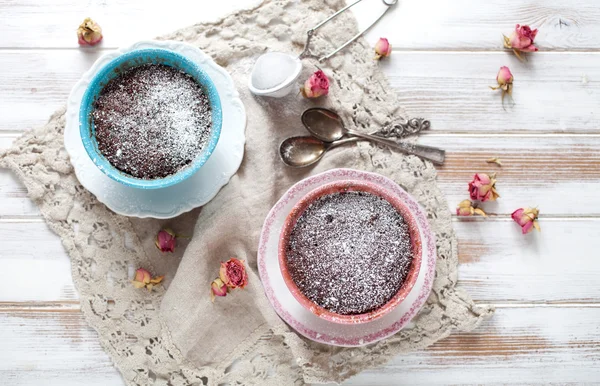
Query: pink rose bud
x,y
466,208
165,240
89,33
383,48
316,85
217,288
505,82
143,278
527,218
483,188
504,77
233,273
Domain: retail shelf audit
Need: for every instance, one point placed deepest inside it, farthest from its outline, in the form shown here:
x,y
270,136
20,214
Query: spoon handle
x,y
344,141
433,154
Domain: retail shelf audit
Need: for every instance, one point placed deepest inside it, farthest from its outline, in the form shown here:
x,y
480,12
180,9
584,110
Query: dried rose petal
x,y
383,48
527,218
316,86
154,281
217,288
165,240
143,278
483,188
89,33
233,273
521,40
466,208
494,160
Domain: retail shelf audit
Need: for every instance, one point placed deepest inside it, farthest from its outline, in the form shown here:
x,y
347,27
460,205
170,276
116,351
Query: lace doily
x,y
140,330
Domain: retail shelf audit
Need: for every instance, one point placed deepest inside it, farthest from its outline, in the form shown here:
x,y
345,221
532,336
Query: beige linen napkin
x,y
230,225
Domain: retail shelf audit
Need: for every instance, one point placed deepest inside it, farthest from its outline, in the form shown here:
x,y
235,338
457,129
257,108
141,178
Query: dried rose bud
x,y
143,278
527,218
315,86
466,208
217,288
383,48
483,188
521,40
165,240
233,273
89,33
504,77
505,82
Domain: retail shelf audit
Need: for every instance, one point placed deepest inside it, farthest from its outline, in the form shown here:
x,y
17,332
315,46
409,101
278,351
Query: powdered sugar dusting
x,y
151,121
350,252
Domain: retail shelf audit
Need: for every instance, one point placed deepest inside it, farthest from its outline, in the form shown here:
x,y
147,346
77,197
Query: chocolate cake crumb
x,y
349,252
151,121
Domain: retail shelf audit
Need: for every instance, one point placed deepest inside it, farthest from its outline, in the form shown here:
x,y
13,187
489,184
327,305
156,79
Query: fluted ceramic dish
x,y
351,186
306,322
195,191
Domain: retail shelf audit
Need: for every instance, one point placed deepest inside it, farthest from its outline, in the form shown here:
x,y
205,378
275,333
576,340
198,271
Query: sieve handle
x,y
311,32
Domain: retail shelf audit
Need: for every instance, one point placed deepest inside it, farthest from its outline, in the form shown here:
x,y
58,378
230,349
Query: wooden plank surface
x,y
518,346
518,343
446,56
52,24
414,24
53,348
556,93
537,170
498,264
468,25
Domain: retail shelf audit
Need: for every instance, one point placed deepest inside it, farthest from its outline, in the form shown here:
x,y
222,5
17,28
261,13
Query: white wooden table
x,y
546,286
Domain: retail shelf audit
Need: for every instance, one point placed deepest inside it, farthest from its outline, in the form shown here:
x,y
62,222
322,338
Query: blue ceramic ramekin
x,y
116,67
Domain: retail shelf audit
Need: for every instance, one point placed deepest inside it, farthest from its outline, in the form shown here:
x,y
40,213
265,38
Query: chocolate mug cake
x,y
349,252
151,121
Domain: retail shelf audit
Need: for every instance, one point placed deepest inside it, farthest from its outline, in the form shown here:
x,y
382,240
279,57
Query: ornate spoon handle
x,y
403,129
433,154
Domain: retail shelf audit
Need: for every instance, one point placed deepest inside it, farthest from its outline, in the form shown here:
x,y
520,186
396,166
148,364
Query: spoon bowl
x,y
323,124
300,152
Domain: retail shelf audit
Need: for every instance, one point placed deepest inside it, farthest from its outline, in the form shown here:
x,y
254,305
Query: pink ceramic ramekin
x,y
351,186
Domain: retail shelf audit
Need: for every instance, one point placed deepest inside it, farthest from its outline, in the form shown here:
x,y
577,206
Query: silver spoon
x,y
299,152
328,126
